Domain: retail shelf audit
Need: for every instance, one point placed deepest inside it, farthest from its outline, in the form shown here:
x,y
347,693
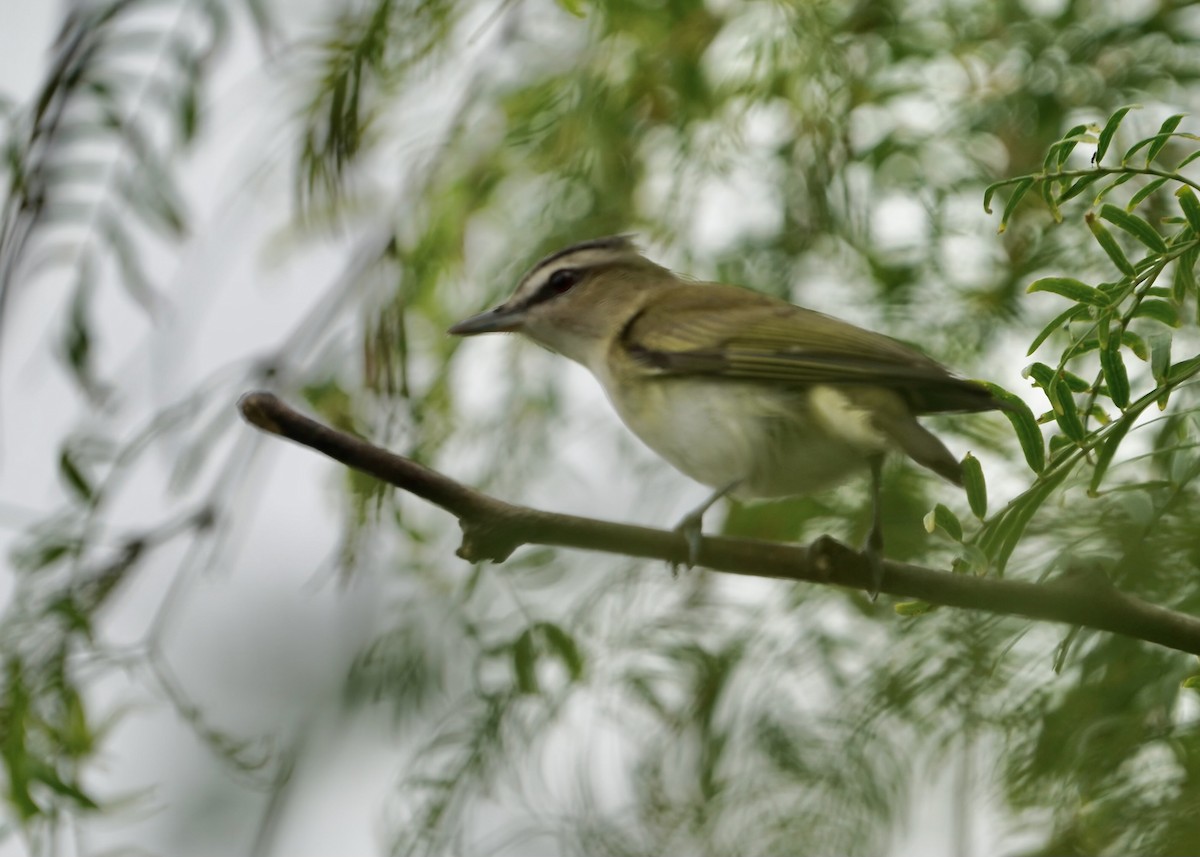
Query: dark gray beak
x,y
497,320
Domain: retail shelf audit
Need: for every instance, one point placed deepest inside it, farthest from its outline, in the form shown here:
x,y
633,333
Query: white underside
x,y
769,442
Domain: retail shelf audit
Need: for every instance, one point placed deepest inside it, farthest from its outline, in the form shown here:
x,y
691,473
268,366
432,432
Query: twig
x,y
493,529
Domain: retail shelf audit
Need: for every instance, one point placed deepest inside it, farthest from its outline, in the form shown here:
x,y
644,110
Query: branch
x,y
493,529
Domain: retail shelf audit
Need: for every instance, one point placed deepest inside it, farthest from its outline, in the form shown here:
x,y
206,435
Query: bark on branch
x,y
493,529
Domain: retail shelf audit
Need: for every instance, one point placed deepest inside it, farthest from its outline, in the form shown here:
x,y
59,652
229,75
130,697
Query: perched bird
x,y
743,392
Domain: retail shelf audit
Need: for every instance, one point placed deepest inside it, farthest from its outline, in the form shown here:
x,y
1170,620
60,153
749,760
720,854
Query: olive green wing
x,y
728,332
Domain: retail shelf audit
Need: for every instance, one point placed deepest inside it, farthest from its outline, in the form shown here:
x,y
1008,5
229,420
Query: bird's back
x,y
769,341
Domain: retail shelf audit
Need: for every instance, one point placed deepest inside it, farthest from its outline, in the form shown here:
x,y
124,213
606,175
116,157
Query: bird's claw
x,y
691,528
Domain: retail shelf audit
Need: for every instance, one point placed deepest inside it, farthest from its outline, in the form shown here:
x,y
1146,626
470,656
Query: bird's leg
x,y
692,524
874,546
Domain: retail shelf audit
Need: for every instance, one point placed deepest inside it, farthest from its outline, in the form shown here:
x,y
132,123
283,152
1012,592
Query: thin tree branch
x,y
493,529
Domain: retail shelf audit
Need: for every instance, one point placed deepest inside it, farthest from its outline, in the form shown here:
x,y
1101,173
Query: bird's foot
x,y
691,528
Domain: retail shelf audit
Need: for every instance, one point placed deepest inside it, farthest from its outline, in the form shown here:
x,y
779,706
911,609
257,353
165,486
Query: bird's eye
x,y
563,279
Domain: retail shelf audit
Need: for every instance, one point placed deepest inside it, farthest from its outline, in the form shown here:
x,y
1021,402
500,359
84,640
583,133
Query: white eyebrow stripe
x,y
583,258
613,243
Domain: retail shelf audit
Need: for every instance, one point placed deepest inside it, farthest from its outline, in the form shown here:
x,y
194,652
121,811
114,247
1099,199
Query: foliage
x,y
1131,317
777,145
89,162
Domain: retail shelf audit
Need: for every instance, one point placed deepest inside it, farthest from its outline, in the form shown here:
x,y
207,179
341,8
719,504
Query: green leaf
x,y
45,552
990,191
941,518
154,200
1061,150
1078,134
563,645
78,738
1014,199
1066,414
18,759
1140,197
1163,136
1108,449
525,662
1000,536
1044,376
1074,382
1191,207
48,777
1097,413
1103,330
1109,244
975,485
1059,321
1135,226
1117,182
1115,374
1047,191
189,113
573,7
1050,162
1109,130
1024,425
1183,370
1163,311
1135,344
1129,340
1153,144
1069,288
1160,355
1041,374
72,474
1079,186
1193,156
1184,283
77,336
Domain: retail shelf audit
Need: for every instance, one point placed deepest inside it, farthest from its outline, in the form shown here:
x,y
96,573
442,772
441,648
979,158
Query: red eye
x,y
563,279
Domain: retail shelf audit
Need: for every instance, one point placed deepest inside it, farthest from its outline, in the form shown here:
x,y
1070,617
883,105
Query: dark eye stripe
x,y
562,280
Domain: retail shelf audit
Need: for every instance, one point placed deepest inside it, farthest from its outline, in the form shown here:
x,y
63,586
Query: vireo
x,y
741,391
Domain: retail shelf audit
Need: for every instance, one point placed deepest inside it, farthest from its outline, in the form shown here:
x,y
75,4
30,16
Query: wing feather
x,y
770,341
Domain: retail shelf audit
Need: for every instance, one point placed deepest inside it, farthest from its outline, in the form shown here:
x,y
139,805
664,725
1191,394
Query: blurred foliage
x,y
834,153
88,163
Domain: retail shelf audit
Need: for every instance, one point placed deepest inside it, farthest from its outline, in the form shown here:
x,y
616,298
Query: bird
x,y
741,391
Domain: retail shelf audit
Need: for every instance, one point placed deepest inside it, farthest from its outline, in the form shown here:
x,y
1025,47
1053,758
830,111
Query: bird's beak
x,y
502,318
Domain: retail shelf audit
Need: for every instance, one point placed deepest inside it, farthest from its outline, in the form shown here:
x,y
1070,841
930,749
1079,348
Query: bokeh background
x,y
215,642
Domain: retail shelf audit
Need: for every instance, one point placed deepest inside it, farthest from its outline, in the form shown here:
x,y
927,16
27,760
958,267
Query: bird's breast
x,y
771,441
